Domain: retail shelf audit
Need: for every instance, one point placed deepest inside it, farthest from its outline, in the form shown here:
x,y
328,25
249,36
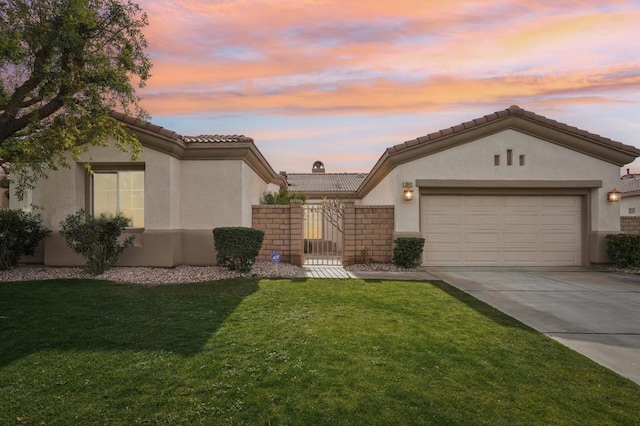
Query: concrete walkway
x,y
594,313
325,272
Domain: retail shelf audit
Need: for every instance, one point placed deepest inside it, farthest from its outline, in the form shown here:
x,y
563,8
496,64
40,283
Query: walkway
x,y
326,272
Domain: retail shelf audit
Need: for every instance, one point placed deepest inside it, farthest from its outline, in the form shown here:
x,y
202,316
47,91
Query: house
x,y
512,188
629,188
179,189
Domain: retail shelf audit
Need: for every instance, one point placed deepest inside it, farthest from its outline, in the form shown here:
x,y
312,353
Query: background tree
x,y
283,196
64,66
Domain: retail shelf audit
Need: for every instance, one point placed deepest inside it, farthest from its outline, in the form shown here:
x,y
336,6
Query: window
x,y
119,191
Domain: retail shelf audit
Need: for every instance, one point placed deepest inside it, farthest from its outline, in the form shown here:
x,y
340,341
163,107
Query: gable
x,y
570,139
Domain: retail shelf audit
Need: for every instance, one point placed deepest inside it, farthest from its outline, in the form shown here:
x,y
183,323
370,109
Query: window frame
x,y
113,168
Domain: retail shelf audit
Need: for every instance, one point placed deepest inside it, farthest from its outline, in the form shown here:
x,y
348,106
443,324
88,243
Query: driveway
x,y
594,313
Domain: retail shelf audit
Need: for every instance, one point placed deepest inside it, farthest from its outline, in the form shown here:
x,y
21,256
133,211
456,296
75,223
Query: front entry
x,y
323,226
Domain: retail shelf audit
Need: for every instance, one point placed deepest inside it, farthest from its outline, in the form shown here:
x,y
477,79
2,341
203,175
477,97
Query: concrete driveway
x,y
594,313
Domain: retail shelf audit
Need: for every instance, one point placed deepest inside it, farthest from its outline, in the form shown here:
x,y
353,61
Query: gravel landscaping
x,y
179,274
152,276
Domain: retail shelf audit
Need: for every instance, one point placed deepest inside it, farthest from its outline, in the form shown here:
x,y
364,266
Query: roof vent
x,y
318,167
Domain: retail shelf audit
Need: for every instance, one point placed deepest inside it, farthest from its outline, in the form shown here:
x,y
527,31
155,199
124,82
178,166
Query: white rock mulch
x,y
151,276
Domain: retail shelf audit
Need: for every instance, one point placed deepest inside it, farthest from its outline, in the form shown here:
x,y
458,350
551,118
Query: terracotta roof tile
x,y
145,125
513,110
629,185
325,182
175,136
216,139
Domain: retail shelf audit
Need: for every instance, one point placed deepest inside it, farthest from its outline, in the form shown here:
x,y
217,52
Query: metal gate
x,y
323,233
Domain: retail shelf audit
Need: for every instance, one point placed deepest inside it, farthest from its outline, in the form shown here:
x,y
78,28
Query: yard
x,y
273,352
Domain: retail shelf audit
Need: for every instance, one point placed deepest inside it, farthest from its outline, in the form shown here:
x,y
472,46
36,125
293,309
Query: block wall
x,y
275,221
374,232
630,224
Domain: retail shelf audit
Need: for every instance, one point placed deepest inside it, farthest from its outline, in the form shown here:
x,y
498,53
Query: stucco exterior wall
x,y
475,161
630,205
184,201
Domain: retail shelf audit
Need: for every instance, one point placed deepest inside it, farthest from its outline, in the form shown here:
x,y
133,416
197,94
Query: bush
x,y
237,247
283,196
96,239
408,252
20,234
624,249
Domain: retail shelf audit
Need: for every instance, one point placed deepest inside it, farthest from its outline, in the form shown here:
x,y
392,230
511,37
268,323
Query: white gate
x,y
323,233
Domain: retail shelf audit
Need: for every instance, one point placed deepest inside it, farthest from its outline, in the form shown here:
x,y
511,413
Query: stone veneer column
x,y
296,232
349,233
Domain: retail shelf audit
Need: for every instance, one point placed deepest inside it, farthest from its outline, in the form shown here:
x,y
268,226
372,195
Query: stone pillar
x,y
296,232
349,255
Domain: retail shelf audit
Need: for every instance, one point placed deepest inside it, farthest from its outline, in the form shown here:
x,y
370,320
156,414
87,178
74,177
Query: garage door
x,y
501,230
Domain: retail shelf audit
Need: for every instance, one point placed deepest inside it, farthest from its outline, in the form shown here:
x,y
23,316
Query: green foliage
x,y
20,234
237,247
283,196
64,66
408,252
624,249
96,239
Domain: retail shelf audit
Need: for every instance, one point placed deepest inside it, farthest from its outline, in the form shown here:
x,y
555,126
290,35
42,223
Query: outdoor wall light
x,y
408,191
613,196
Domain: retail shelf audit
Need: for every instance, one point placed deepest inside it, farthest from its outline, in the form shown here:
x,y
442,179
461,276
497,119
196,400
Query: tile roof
x,y
216,139
175,136
513,110
629,185
145,125
325,182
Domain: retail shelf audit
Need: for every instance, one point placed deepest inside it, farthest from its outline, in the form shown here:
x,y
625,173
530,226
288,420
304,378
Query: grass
x,y
287,352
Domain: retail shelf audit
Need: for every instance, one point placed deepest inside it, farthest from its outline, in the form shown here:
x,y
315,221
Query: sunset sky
x,y
340,81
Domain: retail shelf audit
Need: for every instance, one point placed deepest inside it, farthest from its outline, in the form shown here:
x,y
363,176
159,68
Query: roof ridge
x,y
216,138
133,121
513,110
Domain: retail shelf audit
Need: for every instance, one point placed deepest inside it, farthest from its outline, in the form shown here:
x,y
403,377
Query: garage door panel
x,y
501,230
445,257
443,219
531,238
481,238
482,219
521,219
481,257
444,237
520,202
559,238
559,220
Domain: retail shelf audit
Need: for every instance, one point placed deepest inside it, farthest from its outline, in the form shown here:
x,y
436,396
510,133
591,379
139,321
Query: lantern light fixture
x,y
613,196
408,191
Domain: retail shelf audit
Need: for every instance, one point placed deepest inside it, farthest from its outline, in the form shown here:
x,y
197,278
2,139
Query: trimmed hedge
x,y
20,234
624,249
237,247
408,252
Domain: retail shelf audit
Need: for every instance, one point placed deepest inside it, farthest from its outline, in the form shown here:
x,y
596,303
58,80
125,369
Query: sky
x,y
341,81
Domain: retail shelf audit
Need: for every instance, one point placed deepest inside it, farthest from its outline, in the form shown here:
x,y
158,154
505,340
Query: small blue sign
x,y
276,256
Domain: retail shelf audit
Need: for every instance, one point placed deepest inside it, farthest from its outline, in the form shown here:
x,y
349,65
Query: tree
x,y
64,66
283,196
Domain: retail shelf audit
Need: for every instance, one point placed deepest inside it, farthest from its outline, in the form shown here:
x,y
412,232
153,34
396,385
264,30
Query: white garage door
x,y
501,230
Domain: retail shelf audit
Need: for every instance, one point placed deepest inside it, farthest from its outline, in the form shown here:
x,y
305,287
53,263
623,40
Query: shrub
x,y
283,196
20,234
408,252
237,247
96,239
624,249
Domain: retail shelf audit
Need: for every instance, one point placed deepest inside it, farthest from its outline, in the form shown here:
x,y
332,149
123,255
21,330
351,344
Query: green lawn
x,y
287,352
